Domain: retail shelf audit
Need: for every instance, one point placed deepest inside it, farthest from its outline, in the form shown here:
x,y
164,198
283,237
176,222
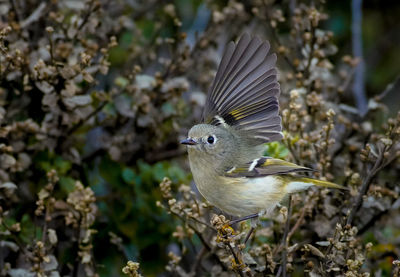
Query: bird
x,y
241,115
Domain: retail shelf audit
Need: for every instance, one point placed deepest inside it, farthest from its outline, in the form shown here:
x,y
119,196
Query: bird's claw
x,y
225,233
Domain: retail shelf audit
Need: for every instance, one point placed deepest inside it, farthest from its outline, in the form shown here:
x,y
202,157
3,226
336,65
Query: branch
x,y
282,268
35,15
17,240
16,10
202,239
311,54
291,150
365,185
197,262
298,223
92,7
279,43
236,258
82,121
359,83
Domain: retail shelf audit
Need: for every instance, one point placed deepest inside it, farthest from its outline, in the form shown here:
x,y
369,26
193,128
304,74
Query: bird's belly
x,y
241,197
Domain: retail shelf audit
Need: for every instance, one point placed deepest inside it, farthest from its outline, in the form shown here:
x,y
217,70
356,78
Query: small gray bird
x,y
240,115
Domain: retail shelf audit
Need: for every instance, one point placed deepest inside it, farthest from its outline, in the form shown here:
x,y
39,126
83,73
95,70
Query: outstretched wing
x,y
245,91
264,166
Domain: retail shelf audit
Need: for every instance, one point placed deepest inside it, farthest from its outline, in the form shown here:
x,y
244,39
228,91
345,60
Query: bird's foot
x,y
253,217
227,235
225,232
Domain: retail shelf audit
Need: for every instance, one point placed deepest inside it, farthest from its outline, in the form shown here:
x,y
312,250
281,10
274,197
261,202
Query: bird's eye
x,y
211,139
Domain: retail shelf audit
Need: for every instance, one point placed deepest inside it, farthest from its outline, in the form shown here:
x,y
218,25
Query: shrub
x,y
94,98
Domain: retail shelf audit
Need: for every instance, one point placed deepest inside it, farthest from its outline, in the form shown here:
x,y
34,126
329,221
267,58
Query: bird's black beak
x,y
188,141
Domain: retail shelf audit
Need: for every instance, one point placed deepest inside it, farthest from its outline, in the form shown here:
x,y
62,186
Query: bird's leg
x,y
243,219
248,235
226,230
252,216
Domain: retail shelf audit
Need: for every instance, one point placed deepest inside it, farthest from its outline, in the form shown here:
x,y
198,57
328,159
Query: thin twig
x,y
329,249
201,222
359,83
375,218
278,42
297,224
87,15
202,239
365,185
236,259
311,54
82,121
208,247
348,79
16,10
194,218
51,44
143,11
197,262
285,241
17,240
35,15
292,151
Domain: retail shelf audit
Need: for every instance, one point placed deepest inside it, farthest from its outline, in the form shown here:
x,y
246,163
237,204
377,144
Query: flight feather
x,y
245,91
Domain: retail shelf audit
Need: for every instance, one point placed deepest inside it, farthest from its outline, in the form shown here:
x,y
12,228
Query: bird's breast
x,y
245,196
236,196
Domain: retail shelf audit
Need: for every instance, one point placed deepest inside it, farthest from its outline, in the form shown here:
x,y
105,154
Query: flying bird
x,y
241,114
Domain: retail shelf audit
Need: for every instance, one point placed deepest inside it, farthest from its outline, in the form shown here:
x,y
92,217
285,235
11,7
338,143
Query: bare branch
x,y
359,83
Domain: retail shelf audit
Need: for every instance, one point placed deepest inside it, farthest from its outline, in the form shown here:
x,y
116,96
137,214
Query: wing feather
x,y
245,91
251,57
264,166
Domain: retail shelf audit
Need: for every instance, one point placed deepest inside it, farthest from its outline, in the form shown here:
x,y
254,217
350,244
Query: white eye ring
x,y
211,139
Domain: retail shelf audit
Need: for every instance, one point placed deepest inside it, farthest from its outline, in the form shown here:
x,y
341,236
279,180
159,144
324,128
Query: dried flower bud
x,y
386,141
294,94
307,36
282,50
131,269
52,235
16,227
113,42
49,29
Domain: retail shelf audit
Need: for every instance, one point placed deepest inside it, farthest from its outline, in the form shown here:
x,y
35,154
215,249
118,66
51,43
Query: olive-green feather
x,y
264,166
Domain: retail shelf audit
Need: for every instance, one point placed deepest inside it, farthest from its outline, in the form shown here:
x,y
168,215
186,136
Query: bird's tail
x,y
303,183
325,184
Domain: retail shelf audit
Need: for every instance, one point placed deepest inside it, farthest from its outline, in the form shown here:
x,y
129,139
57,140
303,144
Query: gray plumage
x,y
245,91
241,110
240,115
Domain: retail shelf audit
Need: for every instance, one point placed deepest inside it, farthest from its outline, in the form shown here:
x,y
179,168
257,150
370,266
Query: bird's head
x,y
210,139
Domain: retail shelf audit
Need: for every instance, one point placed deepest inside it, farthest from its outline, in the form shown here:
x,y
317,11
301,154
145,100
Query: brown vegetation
x,y
93,99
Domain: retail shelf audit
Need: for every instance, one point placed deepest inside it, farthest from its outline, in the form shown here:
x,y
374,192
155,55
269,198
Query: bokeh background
x,y
95,96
